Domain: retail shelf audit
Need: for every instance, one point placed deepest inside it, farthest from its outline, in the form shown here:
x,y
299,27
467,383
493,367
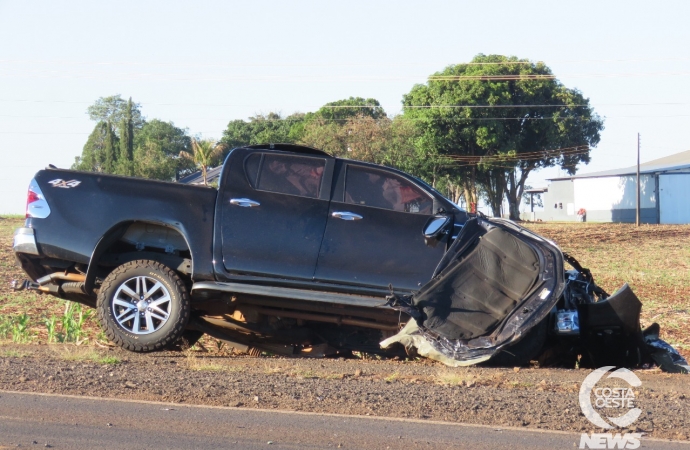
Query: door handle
x,y
244,202
346,215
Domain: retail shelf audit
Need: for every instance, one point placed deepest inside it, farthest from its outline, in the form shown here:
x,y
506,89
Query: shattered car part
x,y
496,282
567,322
499,284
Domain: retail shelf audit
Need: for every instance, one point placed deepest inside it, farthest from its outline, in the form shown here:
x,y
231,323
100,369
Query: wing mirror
x,y
435,229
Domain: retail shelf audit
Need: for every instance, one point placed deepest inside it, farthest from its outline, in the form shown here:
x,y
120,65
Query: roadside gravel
x,y
527,397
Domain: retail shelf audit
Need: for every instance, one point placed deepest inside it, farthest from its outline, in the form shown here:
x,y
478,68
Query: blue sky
x,y
201,64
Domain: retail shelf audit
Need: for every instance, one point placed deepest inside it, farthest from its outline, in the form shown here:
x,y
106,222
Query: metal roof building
x,y
610,195
212,175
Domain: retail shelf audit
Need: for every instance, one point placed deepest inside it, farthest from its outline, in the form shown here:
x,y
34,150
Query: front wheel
x,y
143,306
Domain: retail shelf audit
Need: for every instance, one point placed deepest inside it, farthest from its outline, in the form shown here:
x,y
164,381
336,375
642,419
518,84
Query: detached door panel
x,y
374,235
274,214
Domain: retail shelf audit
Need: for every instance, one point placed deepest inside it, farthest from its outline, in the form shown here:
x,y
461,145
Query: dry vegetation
x,y
653,259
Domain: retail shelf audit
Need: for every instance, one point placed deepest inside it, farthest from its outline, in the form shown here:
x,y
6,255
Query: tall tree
x,y
114,109
497,119
204,154
126,158
110,150
92,154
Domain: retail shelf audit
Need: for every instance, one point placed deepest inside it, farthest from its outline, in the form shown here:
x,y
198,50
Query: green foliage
x,y
144,149
263,129
498,108
114,109
109,150
72,323
15,327
205,153
99,152
126,157
5,326
51,327
157,148
342,110
20,328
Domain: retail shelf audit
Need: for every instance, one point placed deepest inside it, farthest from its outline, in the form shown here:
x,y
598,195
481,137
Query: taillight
x,y
36,204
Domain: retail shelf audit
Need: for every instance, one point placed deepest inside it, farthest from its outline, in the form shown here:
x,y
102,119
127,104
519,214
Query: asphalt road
x,y
69,422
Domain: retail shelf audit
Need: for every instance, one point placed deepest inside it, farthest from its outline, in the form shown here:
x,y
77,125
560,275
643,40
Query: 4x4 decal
x,y
65,184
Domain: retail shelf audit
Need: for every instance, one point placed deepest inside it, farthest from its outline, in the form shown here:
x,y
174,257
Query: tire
x,y
143,306
525,350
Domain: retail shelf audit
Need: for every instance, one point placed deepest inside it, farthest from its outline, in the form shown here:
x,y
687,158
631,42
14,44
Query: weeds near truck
x,y
15,328
20,329
73,321
51,324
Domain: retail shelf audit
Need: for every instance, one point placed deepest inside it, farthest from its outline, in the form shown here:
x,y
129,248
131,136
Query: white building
x,y
610,196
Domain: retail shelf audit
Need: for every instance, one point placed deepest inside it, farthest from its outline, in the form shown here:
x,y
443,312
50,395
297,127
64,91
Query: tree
x,y
204,154
495,120
114,109
126,158
263,129
157,148
342,110
99,154
91,158
109,151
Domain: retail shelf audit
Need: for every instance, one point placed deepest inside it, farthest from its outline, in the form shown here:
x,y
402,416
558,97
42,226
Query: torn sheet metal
x,y
499,283
410,338
495,283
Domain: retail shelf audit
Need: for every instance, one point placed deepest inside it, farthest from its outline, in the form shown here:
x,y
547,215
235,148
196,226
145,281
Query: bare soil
x,y
423,389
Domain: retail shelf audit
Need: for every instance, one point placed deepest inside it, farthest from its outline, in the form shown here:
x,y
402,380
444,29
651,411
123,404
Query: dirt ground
x,y
422,389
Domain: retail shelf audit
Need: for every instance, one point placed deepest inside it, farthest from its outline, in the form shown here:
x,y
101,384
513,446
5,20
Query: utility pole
x,y
637,215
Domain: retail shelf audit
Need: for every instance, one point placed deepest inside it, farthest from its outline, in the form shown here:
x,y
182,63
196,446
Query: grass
x,y
13,353
72,353
193,362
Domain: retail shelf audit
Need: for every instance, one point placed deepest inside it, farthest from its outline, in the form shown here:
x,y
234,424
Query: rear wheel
x,y
143,306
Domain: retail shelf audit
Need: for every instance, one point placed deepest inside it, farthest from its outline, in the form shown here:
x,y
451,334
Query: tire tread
x,y
112,333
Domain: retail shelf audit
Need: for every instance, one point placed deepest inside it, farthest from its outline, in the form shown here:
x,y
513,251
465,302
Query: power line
x,y
365,106
327,79
377,64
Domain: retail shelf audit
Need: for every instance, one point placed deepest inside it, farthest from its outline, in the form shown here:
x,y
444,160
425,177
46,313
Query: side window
x,y
295,175
379,189
251,167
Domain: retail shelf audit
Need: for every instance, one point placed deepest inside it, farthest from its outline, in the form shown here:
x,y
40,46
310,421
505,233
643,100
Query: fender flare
x,y
113,235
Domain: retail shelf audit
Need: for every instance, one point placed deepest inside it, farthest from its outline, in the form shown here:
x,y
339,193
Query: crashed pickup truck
x,y
300,253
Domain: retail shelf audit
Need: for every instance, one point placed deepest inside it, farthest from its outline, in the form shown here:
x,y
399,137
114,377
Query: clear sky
x,y
201,64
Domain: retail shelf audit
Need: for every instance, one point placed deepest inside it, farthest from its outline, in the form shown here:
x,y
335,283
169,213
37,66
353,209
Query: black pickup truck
x,y
300,253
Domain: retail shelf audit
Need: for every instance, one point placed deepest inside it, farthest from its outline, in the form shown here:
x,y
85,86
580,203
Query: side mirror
x,y
435,229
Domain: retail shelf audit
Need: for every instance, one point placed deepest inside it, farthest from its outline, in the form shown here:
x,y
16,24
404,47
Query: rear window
x,y
379,189
286,174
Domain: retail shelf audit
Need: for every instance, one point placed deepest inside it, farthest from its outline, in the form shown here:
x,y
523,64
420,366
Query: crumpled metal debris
x,y
410,337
